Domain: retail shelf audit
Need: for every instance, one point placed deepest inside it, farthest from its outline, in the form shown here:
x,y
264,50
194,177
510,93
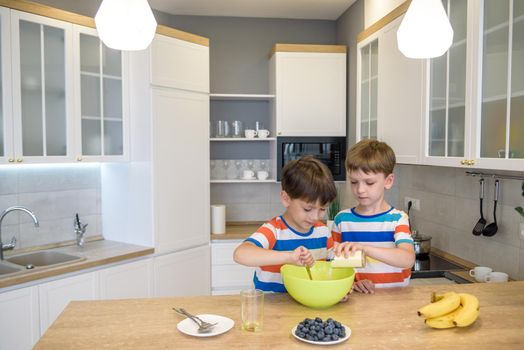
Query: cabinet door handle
x,y
11,160
471,162
464,162
19,160
79,159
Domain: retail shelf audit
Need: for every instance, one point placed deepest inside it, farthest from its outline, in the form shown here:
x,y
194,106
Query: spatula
x,y
479,227
309,272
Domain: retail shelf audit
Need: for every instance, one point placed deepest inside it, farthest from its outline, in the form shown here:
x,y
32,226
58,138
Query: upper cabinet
x,y
179,64
309,84
63,93
476,90
41,57
463,109
101,95
389,94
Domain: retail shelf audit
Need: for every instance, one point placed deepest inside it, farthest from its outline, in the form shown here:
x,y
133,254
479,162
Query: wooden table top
x,y
385,320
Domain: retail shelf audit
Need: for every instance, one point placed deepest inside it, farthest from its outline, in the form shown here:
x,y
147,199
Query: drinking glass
x,y
252,309
238,129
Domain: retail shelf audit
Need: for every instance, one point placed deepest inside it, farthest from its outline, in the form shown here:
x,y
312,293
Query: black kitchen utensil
x,y
492,228
479,227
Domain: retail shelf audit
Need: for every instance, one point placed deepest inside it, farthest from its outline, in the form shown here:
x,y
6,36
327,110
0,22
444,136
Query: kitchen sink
x,y
43,258
6,269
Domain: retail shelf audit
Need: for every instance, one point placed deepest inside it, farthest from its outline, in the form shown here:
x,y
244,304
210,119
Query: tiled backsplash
x,y
54,193
450,209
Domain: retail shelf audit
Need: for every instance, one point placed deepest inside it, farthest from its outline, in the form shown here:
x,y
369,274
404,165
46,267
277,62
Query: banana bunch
x,y
450,310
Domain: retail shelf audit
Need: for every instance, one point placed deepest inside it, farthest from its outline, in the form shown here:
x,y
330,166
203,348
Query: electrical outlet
x,y
522,231
415,203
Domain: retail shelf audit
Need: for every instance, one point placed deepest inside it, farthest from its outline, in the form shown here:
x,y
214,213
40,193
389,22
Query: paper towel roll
x,y
218,219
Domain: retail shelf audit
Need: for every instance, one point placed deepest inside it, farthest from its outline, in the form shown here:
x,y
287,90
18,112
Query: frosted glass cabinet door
x,y
502,108
6,121
447,100
368,90
41,58
101,96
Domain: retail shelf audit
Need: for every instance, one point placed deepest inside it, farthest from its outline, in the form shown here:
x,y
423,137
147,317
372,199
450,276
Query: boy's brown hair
x,y
308,179
371,156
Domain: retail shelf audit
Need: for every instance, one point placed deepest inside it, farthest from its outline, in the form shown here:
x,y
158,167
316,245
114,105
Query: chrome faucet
x,y
80,231
12,244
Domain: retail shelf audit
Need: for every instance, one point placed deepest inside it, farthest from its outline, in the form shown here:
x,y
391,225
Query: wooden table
x,y
385,320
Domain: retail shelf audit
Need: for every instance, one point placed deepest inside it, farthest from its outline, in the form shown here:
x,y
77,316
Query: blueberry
x,y
328,330
306,320
315,338
334,337
321,335
313,332
301,335
337,324
318,319
329,320
309,337
336,331
327,338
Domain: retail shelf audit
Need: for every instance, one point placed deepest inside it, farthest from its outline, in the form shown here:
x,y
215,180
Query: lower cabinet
x,y
55,295
19,319
131,280
182,273
228,277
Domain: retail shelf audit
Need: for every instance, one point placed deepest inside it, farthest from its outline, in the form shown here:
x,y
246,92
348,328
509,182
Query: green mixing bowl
x,y
328,287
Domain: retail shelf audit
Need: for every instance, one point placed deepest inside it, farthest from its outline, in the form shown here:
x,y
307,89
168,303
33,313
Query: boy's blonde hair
x,y
371,156
308,179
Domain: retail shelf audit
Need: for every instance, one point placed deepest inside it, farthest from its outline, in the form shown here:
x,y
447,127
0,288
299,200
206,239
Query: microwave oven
x,y
329,150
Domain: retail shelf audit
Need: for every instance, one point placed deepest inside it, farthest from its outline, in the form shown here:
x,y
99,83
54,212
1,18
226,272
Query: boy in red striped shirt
x,y
297,236
373,226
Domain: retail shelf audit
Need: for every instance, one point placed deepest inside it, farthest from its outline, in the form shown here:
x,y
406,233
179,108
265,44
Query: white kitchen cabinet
x,y
101,95
181,168
55,295
42,88
475,92
179,64
390,94
228,277
310,88
128,280
19,323
182,273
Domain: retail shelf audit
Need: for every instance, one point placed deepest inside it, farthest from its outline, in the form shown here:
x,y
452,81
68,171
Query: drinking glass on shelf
x,y
238,129
212,167
222,128
239,170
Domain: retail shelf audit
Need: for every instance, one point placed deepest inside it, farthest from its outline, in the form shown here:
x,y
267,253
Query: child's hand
x,y
364,286
347,248
302,256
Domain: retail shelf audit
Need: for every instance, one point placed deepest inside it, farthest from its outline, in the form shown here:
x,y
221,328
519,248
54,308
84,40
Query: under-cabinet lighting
x,y
425,31
125,24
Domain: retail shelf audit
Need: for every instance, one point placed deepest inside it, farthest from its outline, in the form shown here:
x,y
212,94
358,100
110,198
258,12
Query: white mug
x,y
248,174
496,277
250,133
262,174
263,133
480,273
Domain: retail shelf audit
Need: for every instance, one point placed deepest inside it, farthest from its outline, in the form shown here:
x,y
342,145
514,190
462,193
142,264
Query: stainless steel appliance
x,y
329,150
433,266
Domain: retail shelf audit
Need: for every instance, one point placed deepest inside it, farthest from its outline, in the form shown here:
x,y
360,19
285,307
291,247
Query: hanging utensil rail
x,y
495,176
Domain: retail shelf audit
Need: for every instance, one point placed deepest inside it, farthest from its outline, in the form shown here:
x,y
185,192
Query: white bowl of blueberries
x,y
317,331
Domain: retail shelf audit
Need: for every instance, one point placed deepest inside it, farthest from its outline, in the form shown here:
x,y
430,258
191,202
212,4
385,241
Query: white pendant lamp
x,y
125,24
425,31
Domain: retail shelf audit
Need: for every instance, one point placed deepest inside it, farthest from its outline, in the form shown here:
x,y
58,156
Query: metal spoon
x,y
492,228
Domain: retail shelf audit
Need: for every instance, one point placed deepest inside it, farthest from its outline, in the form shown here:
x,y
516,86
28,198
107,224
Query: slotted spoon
x,y
479,227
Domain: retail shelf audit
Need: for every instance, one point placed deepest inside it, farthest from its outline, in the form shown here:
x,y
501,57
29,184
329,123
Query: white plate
x,y
249,178
340,340
189,327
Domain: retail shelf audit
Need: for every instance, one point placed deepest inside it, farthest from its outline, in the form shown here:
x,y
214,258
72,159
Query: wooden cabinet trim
x,y
308,48
62,15
381,23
